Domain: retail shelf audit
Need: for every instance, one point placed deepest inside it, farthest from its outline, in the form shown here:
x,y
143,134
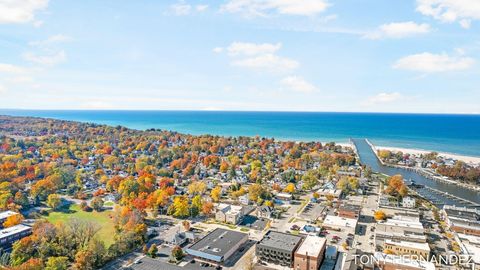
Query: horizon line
x,y
235,111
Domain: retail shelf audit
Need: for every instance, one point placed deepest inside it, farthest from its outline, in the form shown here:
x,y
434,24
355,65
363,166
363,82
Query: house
x,y
409,202
244,199
227,213
177,239
265,211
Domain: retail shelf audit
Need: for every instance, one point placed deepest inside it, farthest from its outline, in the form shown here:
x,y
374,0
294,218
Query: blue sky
x,y
284,55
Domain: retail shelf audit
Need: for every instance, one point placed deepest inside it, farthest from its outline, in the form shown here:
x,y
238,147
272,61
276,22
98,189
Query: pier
x,y
433,188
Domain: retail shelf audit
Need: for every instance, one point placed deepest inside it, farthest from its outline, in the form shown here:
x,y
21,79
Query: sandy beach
x,y
466,159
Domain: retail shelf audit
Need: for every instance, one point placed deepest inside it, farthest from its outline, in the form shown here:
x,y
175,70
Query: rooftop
x,y
283,241
218,242
6,214
312,246
350,207
462,212
336,221
402,261
14,230
408,244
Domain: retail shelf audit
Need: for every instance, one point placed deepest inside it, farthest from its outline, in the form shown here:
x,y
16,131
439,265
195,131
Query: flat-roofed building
x,y
14,233
309,255
6,214
393,262
462,220
349,211
218,245
400,228
278,248
340,223
408,248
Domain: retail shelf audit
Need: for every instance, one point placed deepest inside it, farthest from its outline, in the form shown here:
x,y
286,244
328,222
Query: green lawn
x,y
103,219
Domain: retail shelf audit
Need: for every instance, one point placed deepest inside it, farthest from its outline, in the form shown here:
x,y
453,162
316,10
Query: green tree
x,y
57,263
54,201
177,253
152,251
97,204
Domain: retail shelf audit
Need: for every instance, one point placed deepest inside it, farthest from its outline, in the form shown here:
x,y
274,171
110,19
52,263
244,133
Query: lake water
x,y
458,134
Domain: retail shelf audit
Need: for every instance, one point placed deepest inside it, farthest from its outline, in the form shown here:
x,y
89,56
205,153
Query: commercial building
x,y
340,223
349,211
14,233
470,245
422,250
309,255
400,228
218,245
228,213
278,248
336,193
393,262
462,220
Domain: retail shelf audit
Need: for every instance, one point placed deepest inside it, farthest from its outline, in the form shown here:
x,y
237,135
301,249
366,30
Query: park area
x,y
103,219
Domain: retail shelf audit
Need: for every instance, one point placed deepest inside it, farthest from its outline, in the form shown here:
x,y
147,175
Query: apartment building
x,y
309,255
278,248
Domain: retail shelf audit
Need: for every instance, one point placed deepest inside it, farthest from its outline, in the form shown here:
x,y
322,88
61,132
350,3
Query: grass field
x,y
103,219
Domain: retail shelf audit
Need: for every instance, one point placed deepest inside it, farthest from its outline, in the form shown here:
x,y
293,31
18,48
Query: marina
x,y
438,192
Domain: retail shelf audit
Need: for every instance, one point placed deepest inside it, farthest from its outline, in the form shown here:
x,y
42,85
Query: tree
x,y
290,188
180,206
379,215
254,192
152,251
57,263
177,253
216,193
54,201
97,204
207,208
396,186
13,220
186,225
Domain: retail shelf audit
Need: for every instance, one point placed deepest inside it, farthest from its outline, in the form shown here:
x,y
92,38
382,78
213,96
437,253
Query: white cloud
x,y
250,49
383,98
218,50
3,90
201,8
268,62
8,68
430,63
298,84
261,56
399,30
20,11
451,10
50,59
266,7
181,8
51,40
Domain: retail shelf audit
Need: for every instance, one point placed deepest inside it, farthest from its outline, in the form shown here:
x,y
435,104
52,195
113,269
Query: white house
x,y
408,202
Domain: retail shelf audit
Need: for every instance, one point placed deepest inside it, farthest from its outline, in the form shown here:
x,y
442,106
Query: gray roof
x,y
282,241
218,242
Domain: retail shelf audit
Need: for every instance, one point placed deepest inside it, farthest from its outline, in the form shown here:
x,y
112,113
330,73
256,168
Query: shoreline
x,y
471,160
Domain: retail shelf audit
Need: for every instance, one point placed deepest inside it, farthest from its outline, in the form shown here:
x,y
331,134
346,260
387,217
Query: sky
x,y
413,56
